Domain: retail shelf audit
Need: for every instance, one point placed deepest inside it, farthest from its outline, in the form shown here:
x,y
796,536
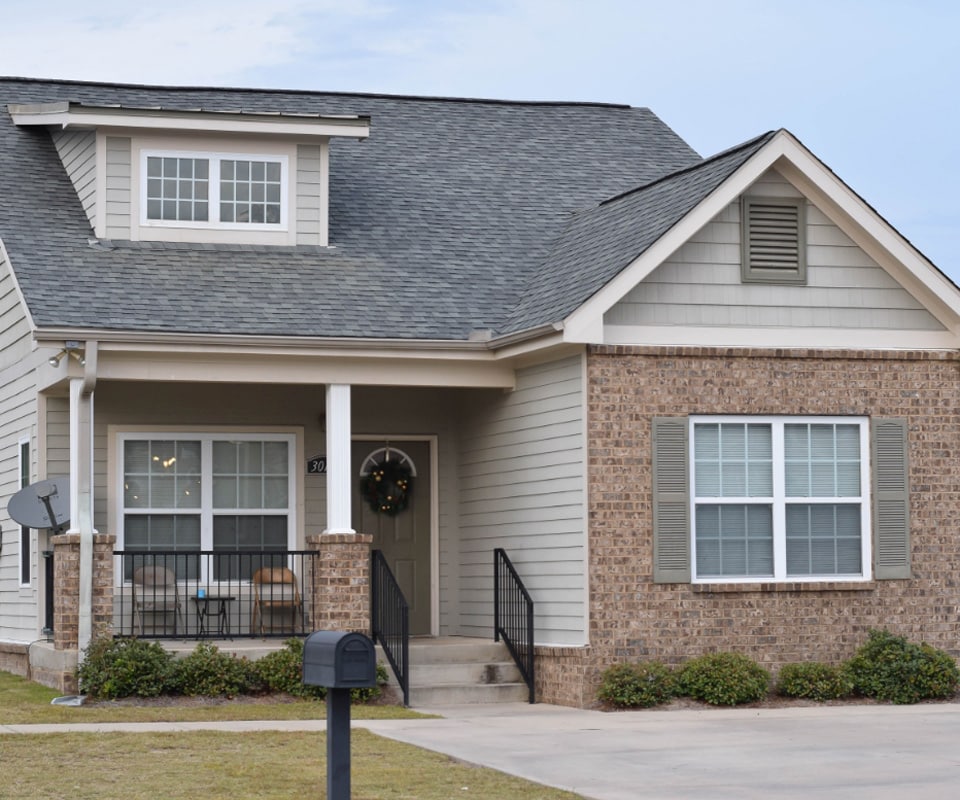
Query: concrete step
x,y
470,694
459,670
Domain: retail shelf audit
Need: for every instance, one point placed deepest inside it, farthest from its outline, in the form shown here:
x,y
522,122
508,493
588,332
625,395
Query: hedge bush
x,y
637,685
890,668
724,679
814,681
282,671
208,672
113,668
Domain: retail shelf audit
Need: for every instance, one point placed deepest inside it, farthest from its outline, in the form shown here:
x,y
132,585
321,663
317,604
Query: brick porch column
x,y
66,578
341,599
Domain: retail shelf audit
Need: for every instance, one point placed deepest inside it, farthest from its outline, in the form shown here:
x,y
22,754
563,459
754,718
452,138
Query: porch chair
x,y
275,589
155,592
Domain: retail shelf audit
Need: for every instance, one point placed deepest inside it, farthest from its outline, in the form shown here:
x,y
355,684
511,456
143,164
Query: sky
x,y
872,87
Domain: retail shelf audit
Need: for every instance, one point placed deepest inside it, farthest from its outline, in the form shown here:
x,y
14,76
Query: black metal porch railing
x,y
48,593
390,620
513,616
213,594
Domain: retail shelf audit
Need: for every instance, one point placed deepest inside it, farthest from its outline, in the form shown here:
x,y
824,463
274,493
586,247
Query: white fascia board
x,y
71,117
792,338
799,166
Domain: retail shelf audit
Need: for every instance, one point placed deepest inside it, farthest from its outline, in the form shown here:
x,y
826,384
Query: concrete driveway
x,y
875,752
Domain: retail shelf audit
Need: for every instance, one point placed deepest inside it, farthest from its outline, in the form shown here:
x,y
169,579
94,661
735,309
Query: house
x,y
701,403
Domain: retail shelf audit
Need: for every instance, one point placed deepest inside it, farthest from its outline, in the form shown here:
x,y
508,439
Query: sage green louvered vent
x,y
774,240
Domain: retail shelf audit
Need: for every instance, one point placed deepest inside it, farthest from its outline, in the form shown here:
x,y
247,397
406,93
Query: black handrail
x,y
513,616
390,620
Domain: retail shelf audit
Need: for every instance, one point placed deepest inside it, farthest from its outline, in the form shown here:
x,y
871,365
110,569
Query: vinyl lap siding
x,y
78,152
700,284
522,488
309,189
18,409
118,187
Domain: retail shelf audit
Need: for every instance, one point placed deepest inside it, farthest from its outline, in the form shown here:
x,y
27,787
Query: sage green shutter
x,y
891,500
671,505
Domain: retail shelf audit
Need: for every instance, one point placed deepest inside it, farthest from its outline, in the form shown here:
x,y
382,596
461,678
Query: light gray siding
x,y
700,283
309,188
78,152
522,487
18,419
118,187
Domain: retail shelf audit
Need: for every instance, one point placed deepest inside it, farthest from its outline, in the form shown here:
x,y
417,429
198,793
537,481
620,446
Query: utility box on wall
x,y
339,660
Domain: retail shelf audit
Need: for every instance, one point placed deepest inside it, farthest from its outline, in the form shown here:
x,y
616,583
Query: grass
x,y
239,766
214,765
23,702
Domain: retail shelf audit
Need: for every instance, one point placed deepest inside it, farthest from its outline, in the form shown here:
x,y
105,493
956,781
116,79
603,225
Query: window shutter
x,y
774,244
891,500
671,507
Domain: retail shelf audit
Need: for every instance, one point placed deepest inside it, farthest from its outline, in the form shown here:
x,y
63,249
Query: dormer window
x,y
218,190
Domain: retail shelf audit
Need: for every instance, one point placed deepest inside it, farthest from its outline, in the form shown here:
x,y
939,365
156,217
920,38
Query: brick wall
x,y
633,618
342,582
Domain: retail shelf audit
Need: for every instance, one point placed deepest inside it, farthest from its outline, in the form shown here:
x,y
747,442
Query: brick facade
x,y
66,576
342,583
633,618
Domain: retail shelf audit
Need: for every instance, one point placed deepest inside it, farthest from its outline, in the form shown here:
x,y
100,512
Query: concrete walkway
x,y
876,752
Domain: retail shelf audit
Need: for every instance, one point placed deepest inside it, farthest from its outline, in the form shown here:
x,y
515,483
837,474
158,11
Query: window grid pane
x,y
733,460
822,460
734,541
823,539
250,191
177,189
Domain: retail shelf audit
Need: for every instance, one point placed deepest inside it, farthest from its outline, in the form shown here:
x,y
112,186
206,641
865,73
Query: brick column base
x,y
341,587
66,577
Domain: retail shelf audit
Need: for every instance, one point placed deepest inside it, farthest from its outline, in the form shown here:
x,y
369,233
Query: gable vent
x,y
774,245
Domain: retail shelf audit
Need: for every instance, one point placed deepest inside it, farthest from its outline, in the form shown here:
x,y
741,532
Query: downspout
x,y
81,486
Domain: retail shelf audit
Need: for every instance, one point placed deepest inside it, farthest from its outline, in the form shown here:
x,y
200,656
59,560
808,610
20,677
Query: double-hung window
x,y
231,494
219,190
781,498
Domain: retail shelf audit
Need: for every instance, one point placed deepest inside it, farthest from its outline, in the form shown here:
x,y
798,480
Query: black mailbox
x,y
339,660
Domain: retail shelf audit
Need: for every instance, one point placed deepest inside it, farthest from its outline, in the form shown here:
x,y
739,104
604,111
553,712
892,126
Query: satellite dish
x,y
44,504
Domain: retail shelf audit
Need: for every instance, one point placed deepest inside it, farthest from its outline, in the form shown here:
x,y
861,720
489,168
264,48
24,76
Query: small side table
x,y
203,613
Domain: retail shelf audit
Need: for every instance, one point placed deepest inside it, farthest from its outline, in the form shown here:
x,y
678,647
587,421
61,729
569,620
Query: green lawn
x,y
212,765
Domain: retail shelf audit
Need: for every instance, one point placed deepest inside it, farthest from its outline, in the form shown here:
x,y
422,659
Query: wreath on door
x,y
387,486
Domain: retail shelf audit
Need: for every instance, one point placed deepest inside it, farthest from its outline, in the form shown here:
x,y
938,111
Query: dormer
x,y
216,177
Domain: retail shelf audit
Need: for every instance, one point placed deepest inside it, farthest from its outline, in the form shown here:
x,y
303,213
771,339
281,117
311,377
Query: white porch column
x,y
81,486
339,472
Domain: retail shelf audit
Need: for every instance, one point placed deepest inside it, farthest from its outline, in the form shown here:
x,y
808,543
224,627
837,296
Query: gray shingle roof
x,y
600,242
443,221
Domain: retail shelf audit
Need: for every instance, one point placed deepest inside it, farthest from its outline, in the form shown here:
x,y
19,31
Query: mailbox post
x,y
340,662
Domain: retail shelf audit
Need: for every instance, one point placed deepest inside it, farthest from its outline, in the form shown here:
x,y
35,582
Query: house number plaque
x,y
317,465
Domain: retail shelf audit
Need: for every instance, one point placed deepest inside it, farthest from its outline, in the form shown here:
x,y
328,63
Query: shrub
x,y
724,679
814,681
282,671
210,673
890,668
637,685
115,668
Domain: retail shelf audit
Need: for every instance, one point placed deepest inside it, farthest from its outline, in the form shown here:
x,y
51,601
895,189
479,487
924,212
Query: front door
x,y
403,537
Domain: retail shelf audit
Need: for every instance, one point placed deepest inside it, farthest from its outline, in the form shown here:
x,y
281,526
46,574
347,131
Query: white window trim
x,y
25,440
778,500
214,158
206,509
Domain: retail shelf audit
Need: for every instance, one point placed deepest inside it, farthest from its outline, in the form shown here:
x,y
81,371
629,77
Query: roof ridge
x,y
315,92
693,167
